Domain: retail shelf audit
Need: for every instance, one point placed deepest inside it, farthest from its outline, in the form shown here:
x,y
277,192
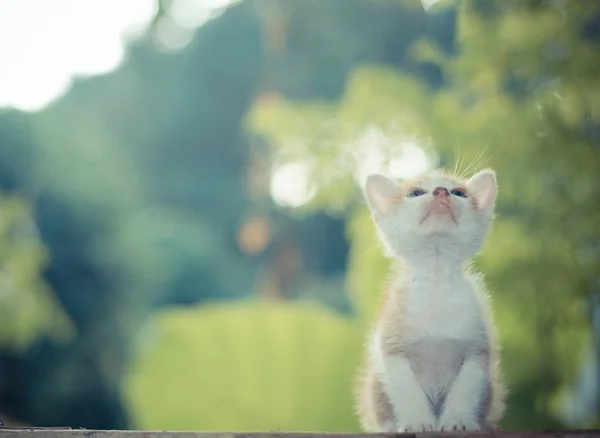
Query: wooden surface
x,y
84,433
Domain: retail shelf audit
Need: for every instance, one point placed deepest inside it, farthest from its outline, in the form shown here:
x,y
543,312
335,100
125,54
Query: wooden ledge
x,y
7,432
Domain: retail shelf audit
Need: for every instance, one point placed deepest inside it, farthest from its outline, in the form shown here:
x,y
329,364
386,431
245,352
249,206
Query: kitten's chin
x,y
439,213
436,221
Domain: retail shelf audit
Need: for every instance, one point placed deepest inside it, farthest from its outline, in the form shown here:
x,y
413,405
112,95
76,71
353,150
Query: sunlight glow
x,y
427,4
396,158
411,162
373,152
290,186
185,16
193,13
44,44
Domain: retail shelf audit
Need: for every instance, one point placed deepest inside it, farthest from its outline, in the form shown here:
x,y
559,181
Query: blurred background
x,y
183,239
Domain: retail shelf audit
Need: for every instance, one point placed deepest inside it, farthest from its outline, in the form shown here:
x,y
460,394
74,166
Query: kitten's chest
x,y
449,310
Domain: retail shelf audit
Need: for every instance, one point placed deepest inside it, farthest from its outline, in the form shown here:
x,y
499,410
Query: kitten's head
x,y
435,211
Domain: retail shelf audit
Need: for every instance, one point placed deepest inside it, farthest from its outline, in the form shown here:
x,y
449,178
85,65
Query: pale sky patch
x,y
44,44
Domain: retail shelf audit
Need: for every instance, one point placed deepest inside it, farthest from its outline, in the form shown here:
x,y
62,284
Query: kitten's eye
x,y
459,192
415,192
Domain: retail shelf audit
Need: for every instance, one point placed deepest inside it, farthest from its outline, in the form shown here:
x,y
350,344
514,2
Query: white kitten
x,y
432,357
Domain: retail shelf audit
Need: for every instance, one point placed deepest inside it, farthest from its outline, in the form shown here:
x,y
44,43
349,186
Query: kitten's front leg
x,y
411,407
463,405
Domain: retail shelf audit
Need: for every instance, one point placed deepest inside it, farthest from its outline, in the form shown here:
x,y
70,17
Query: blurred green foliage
x,y
29,309
510,100
149,280
255,366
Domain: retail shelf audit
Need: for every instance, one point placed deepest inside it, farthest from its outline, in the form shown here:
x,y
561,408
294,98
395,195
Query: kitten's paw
x,y
452,424
416,427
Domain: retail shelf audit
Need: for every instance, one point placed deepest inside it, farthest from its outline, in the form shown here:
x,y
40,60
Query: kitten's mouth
x,y
440,208
442,205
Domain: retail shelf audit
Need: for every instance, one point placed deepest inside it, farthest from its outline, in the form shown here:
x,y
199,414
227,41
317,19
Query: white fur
x,y
442,300
404,235
410,403
465,397
442,304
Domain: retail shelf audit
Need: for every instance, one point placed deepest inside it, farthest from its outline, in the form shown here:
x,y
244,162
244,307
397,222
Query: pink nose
x,y
440,191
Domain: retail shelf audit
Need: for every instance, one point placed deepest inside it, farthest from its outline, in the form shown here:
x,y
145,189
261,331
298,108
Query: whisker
x,y
478,161
480,158
456,157
460,172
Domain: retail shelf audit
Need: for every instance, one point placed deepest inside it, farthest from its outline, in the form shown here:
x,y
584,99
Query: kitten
x,y
432,357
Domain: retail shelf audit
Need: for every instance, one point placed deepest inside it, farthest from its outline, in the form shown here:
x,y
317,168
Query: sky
x,y
45,43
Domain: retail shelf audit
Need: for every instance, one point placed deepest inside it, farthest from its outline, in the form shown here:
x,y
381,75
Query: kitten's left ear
x,y
483,188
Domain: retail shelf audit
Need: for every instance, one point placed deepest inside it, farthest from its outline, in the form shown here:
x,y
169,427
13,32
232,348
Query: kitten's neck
x,y
436,263
437,269
439,251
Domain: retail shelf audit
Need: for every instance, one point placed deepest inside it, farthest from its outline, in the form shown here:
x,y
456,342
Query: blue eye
x,y
415,192
459,192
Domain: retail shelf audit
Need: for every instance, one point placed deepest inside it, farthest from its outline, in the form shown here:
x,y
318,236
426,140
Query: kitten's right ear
x,y
382,194
484,188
